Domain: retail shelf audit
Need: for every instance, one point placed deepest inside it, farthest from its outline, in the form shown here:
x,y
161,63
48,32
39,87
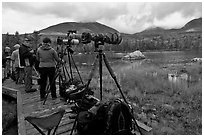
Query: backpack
x,y
112,117
74,90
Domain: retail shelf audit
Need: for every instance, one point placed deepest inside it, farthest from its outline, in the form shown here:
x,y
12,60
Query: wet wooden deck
x,y
29,104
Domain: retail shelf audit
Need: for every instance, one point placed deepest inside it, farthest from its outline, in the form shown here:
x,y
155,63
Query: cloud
x,y
78,11
128,17
161,10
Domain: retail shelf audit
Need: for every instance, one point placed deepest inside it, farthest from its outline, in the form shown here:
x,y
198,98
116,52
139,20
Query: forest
x,y
171,41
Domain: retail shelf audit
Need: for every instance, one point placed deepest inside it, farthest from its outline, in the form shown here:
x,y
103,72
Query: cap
x,y
7,49
46,40
16,46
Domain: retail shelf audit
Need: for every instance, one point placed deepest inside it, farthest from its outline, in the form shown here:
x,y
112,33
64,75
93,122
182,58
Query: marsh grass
x,y
179,107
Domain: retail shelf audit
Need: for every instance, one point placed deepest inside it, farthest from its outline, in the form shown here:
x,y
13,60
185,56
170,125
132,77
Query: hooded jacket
x,y
47,56
25,53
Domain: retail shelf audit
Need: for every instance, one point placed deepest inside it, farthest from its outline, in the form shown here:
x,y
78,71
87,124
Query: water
x,y
164,58
167,57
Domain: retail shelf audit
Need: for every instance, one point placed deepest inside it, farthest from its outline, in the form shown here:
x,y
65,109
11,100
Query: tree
x,y
7,40
36,39
17,37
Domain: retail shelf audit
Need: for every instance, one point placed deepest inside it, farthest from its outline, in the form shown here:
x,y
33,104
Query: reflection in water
x,y
132,66
183,78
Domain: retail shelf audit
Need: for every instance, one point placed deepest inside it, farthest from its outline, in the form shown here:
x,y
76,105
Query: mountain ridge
x,y
194,25
64,27
95,27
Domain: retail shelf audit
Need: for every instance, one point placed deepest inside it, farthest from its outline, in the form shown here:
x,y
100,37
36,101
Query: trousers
x,y
19,74
45,73
28,78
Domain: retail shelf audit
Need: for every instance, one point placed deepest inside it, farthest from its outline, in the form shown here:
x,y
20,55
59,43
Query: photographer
x,y
6,63
19,70
27,60
47,57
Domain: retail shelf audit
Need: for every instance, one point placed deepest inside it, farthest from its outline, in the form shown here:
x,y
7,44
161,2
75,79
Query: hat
x,y
46,40
7,48
16,46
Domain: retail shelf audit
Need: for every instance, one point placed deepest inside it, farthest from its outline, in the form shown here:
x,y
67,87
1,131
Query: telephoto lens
x,y
74,42
110,38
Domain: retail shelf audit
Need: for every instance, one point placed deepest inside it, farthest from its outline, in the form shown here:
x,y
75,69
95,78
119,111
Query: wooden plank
x,y
10,91
63,129
143,126
29,104
20,115
67,132
8,88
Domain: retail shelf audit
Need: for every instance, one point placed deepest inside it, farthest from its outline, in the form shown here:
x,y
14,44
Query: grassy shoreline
x,y
174,109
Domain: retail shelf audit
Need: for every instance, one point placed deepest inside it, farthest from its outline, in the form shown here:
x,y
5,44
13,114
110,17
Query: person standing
x,y
6,63
18,69
27,58
48,59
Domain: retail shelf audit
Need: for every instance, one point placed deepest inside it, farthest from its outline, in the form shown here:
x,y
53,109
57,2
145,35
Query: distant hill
x,y
154,30
62,28
194,25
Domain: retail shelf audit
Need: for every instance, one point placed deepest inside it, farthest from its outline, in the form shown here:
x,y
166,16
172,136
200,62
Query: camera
x,y
73,38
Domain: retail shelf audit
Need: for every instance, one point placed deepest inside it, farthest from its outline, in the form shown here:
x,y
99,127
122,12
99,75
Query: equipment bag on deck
x,y
112,117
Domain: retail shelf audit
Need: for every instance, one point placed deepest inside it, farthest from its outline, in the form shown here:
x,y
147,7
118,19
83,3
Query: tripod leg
x,y
113,76
76,69
66,71
118,85
73,127
63,71
92,70
47,93
70,67
60,85
100,72
136,124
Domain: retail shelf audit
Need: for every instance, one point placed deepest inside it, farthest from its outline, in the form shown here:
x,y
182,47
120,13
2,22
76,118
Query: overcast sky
x,y
130,17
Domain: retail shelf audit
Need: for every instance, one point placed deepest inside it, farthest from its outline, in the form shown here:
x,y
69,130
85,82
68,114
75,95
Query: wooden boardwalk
x,y
29,104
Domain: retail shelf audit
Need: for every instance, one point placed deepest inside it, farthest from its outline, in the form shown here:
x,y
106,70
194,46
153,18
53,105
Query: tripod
x,y
62,75
100,57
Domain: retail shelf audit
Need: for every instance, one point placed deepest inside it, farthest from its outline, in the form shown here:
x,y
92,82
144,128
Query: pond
x,y
158,59
163,57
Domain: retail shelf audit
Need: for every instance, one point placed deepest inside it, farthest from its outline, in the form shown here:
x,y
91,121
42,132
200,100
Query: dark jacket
x,y
24,53
5,56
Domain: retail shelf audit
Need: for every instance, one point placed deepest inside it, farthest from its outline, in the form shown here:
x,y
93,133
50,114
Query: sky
x,y
126,17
